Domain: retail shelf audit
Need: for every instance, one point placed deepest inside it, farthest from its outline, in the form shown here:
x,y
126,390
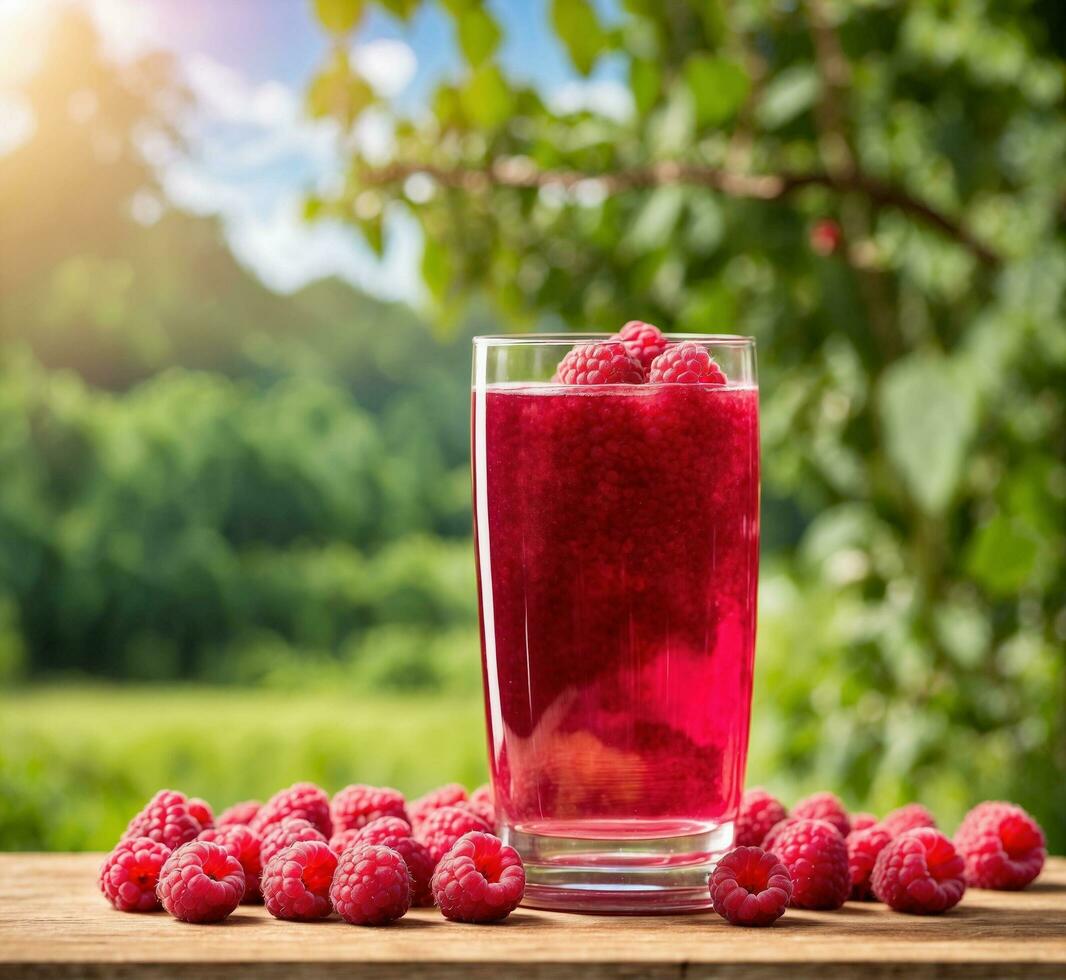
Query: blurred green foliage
x,y
205,481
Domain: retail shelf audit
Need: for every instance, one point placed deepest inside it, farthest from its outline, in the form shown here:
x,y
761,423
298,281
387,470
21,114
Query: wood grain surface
x,y
55,923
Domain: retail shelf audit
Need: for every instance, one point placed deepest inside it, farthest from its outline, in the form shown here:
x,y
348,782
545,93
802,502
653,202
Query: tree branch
x,y
519,172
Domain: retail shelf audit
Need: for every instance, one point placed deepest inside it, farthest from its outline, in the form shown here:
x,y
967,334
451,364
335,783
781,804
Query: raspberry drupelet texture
x,y
758,813
919,872
824,806
384,829
862,821
355,806
480,879
603,363
244,844
339,843
280,835
1002,845
166,818
297,880
908,817
817,860
238,814
395,833
482,803
750,887
441,828
643,341
304,800
130,873
450,794
863,848
371,886
202,811
771,835
686,363
201,882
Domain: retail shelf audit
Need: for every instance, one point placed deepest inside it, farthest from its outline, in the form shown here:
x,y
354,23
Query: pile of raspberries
x,y
819,856
366,854
369,855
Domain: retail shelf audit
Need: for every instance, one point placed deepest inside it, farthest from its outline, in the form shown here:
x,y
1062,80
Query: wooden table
x,y
55,923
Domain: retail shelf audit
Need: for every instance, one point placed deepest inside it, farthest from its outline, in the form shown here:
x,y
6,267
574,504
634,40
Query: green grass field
x,y
77,762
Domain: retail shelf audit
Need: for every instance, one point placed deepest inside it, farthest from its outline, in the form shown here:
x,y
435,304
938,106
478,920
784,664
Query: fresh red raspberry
x,y
244,844
601,363
201,882
450,794
480,879
862,821
278,836
1002,845
482,803
686,363
919,872
130,873
297,879
908,817
396,833
824,806
304,800
817,859
750,887
166,818
759,811
201,809
644,341
863,848
371,886
441,828
240,813
355,806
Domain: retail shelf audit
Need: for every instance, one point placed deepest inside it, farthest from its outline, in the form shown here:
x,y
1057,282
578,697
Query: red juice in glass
x,y
617,531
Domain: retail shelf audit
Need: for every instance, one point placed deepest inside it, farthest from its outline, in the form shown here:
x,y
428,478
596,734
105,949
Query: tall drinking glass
x,y
617,538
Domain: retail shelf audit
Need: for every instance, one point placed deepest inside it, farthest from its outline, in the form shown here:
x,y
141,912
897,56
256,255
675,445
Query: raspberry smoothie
x,y
617,533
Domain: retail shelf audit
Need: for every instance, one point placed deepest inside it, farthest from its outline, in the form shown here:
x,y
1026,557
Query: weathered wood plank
x,y
54,923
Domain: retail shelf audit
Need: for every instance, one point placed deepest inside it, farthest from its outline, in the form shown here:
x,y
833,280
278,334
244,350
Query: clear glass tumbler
x,y
617,538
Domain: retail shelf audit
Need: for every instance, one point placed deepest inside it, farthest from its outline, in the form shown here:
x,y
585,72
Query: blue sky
x,y
253,152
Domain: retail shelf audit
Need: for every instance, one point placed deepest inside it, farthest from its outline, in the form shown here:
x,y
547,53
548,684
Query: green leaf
x,y
645,82
486,98
478,35
579,30
787,95
718,86
339,16
929,413
671,127
338,92
655,222
373,230
401,8
437,269
1003,555
313,208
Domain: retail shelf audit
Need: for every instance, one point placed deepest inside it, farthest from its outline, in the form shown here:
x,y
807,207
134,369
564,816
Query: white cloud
x,y
386,63
607,98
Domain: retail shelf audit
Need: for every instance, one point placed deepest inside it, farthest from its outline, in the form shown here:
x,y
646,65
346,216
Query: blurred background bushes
x,y
234,524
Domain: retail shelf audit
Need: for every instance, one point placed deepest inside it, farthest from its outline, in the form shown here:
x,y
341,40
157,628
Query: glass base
x,y
627,869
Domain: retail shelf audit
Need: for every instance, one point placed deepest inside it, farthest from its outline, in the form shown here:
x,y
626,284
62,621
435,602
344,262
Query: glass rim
x,y
519,339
